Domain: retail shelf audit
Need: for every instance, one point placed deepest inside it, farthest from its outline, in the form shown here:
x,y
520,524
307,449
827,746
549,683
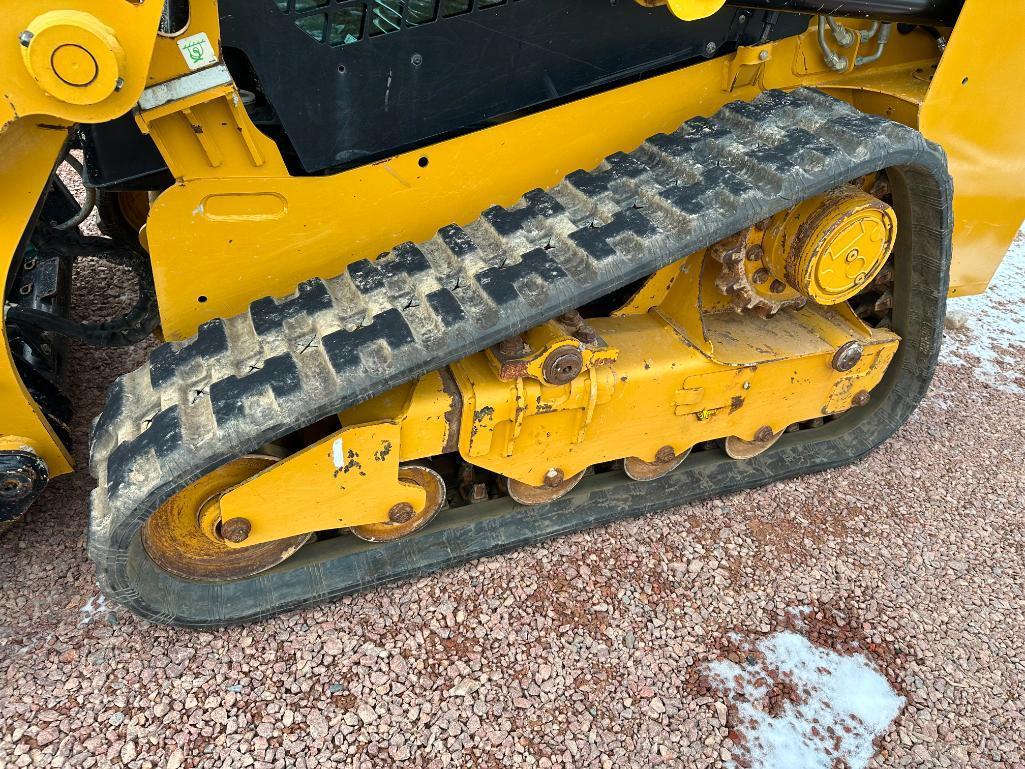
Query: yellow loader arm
x,y
61,63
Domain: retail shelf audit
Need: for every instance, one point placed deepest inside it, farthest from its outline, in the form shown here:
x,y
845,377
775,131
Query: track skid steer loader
x,y
426,280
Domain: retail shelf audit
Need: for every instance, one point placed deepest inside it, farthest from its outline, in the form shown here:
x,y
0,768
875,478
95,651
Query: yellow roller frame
x,y
348,479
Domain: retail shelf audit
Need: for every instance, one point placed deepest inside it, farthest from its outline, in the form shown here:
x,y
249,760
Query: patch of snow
x,y
95,607
990,326
842,704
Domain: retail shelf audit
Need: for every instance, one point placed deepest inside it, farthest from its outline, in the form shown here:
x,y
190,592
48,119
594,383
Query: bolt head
x,y
236,530
15,484
25,38
572,319
764,434
847,356
777,287
665,455
861,398
586,334
416,60
513,346
563,365
554,477
403,512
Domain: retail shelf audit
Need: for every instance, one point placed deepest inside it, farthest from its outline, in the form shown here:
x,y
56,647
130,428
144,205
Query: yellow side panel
x,y
974,109
212,256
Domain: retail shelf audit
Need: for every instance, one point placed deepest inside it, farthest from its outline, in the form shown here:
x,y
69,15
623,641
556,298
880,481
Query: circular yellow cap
x,y
692,10
73,56
831,246
74,65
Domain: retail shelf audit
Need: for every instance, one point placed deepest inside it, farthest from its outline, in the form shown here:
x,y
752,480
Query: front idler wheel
x,y
184,536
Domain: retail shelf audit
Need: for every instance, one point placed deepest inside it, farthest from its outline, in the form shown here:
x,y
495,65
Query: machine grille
x,y
343,22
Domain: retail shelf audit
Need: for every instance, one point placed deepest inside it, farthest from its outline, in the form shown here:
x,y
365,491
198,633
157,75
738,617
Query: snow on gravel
x,y
95,608
990,325
836,705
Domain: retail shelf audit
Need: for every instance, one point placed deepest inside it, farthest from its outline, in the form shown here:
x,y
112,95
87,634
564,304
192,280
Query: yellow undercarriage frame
x,y
690,358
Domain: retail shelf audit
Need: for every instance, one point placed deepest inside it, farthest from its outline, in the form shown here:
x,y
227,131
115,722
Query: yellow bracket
x,y
350,478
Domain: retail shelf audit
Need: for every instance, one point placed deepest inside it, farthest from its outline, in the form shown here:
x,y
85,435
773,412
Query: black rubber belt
x,y
247,380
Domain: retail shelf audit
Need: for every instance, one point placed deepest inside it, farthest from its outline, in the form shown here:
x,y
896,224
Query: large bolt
x,y
764,434
15,484
847,356
562,365
572,318
403,512
514,345
236,530
554,477
586,334
755,253
861,398
665,455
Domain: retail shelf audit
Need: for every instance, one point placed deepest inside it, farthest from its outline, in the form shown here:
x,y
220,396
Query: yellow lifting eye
x,y
830,246
73,56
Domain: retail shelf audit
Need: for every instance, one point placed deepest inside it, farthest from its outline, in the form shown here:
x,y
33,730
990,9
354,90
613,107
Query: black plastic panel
x,y
352,81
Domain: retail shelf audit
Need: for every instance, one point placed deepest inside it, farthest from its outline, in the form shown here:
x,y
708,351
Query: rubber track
x,y
247,380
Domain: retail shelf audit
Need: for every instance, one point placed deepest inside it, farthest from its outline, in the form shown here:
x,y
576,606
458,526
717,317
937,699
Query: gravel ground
x,y
591,650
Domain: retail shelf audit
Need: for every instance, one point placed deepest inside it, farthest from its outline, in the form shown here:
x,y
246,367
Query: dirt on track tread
x,y
247,380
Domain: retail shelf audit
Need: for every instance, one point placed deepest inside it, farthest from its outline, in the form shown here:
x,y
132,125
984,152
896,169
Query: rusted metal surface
x,y
539,495
236,530
744,273
403,512
455,410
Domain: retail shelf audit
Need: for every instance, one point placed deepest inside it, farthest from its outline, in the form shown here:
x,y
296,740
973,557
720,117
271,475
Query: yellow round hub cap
x,y
73,56
74,65
831,246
